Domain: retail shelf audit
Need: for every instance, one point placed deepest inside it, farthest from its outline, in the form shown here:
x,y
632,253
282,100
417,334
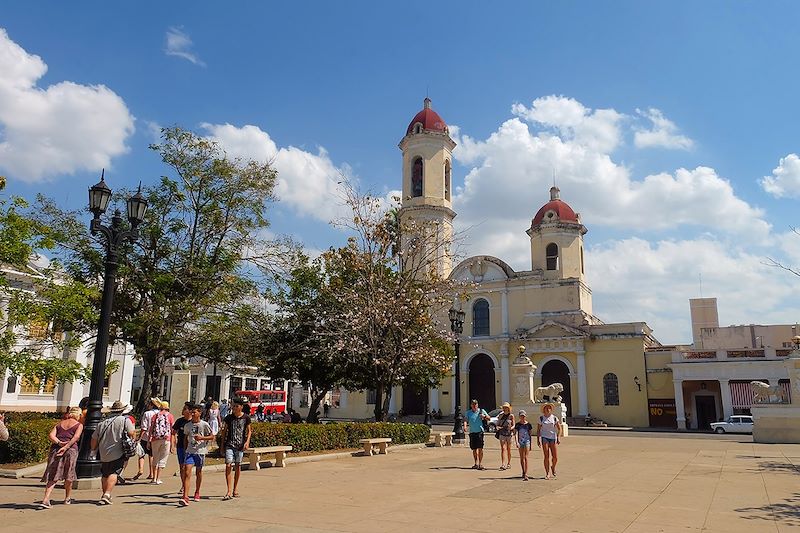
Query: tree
x,y
203,227
44,312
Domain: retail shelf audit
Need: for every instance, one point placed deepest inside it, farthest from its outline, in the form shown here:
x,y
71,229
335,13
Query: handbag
x,y
128,443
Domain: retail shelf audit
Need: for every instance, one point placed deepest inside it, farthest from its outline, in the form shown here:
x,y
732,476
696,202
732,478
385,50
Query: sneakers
x,y
45,505
158,482
475,466
227,497
105,499
183,502
503,467
197,496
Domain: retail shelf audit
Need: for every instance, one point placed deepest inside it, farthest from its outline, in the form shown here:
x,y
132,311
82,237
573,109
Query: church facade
x,y
547,309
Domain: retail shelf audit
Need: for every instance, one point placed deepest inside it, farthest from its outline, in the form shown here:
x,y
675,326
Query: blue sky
x,y
660,122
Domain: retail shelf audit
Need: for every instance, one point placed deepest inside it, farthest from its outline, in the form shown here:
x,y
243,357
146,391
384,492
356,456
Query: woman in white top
x,y
548,436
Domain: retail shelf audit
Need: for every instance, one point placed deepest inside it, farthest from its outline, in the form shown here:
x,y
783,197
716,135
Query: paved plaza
x,y
636,483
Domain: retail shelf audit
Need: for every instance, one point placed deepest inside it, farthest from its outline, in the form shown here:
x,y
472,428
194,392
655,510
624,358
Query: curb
x,y
24,472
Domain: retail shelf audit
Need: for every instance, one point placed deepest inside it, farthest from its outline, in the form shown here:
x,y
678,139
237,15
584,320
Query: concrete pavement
x,y
647,483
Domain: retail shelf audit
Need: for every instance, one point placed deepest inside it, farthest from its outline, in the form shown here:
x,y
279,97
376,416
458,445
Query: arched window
x,y
416,177
417,128
551,253
610,389
447,180
480,318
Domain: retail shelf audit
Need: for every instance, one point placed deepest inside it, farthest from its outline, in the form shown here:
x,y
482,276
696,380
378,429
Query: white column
x,y
453,392
583,396
202,379
727,403
434,399
393,401
343,395
680,411
504,311
505,379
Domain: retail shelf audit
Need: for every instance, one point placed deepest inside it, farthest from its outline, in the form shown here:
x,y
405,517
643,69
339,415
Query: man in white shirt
x,y
107,438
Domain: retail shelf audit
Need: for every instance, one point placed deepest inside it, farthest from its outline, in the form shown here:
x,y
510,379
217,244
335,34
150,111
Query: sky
x,y
671,128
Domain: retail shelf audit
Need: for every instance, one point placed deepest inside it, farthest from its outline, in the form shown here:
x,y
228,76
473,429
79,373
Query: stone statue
x,y
763,391
551,391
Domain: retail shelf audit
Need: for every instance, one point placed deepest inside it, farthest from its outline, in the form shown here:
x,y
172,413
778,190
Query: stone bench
x,y
255,455
382,445
442,438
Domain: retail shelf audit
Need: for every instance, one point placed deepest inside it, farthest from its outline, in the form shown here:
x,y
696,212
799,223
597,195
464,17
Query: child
x,y
198,433
236,433
523,430
548,435
179,440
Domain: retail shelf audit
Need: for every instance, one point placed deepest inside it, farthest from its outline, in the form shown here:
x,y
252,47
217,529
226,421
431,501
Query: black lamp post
x,y
114,236
457,327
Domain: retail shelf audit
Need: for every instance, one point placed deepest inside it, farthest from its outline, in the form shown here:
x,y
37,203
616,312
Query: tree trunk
x,y
313,408
152,376
385,407
378,411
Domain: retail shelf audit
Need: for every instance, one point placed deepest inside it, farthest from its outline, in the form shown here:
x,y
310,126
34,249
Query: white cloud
x,y
662,134
598,130
61,129
308,182
179,44
785,179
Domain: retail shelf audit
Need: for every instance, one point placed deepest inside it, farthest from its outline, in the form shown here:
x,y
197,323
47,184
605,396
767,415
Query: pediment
x,y
551,329
481,268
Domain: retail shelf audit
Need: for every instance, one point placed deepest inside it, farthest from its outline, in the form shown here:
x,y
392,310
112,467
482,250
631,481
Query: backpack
x,y
161,427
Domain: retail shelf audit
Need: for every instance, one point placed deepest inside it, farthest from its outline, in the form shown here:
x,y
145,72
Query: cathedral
x,y
547,309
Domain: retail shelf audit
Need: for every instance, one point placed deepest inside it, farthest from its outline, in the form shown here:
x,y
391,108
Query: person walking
x,y
505,428
214,419
144,438
160,439
236,432
198,434
63,456
523,430
178,443
107,438
474,426
224,409
548,436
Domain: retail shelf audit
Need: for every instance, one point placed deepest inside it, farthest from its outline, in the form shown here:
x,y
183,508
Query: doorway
x,y
555,371
414,400
481,382
706,409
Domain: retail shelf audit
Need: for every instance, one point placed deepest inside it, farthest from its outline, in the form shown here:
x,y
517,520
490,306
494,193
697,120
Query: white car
x,y
734,424
493,414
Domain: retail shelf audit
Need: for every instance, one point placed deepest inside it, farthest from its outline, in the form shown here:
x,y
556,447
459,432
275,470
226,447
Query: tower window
x,y
551,254
416,177
417,128
480,318
447,180
610,389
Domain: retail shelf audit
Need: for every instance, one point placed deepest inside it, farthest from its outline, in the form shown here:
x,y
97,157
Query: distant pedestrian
x,y
224,408
474,426
198,434
296,418
287,417
326,409
144,437
214,418
523,430
260,412
160,439
505,427
107,438
548,436
179,437
236,432
3,428
63,456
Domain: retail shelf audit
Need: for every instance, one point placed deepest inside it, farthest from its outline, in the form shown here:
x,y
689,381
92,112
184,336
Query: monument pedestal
x,y
780,423
522,394
179,391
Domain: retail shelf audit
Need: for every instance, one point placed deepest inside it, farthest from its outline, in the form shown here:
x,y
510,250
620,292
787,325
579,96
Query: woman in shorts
x,y
505,430
548,436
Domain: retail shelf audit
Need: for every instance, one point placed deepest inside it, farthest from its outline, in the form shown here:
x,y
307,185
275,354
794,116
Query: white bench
x,y
382,445
442,438
255,455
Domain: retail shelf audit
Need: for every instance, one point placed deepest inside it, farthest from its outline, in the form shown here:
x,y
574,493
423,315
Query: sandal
x,y
503,467
68,501
227,497
235,494
137,476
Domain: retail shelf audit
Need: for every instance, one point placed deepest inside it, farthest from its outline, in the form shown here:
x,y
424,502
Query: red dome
x,y
562,212
430,119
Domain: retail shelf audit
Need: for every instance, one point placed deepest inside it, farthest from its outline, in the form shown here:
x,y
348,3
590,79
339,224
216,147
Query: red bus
x,y
274,401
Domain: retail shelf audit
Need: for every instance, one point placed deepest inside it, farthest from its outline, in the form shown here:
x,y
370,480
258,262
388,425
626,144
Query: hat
x,y
128,409
506,404
522,412
75,413
155,401
550,405
117,407
163,405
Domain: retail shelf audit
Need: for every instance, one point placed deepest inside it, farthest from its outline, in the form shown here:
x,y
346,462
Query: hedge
x,y
28,442
318,437
27,416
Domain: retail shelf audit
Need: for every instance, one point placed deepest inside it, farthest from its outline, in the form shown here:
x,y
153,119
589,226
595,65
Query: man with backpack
x,y
108,439
160,439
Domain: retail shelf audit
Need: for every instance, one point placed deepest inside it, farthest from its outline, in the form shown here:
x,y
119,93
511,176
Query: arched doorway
x,y
414,400
555,371
481,382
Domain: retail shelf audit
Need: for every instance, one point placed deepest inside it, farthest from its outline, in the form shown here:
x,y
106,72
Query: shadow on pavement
x,y
786,513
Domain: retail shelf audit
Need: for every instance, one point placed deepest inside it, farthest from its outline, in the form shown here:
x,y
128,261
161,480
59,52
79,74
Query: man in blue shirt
x,y
473,424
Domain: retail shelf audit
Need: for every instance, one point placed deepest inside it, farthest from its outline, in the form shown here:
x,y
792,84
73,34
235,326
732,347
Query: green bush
x,y
318,437
27,442
26,416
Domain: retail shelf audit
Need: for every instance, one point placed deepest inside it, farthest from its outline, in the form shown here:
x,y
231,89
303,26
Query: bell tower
x,y
426,214
556,236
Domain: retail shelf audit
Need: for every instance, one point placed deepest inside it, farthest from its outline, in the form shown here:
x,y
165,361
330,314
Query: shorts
x,y
112,467
548,440
233,456
506,439
160,452
195,459
524,444
146,447
181,453
476,441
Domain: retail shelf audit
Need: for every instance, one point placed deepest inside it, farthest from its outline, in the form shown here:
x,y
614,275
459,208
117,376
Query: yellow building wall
x,y
625,358
659,381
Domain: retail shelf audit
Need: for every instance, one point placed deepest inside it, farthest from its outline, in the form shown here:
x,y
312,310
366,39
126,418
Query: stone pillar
x,y
725,394
505,380
393,401
680,410
523,371
202,379
343,396
583,396
179,391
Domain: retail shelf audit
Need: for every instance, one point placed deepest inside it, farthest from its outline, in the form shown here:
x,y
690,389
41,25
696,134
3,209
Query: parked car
x,y
493,414
734,424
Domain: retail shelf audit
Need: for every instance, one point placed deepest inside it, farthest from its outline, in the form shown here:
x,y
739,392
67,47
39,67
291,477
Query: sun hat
x,y
155,401
550,405
163,405
117,407
522,412
506,404
128,409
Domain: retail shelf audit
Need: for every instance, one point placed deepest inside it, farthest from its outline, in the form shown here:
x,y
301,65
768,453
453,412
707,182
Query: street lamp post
x,y
457,327
88,466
